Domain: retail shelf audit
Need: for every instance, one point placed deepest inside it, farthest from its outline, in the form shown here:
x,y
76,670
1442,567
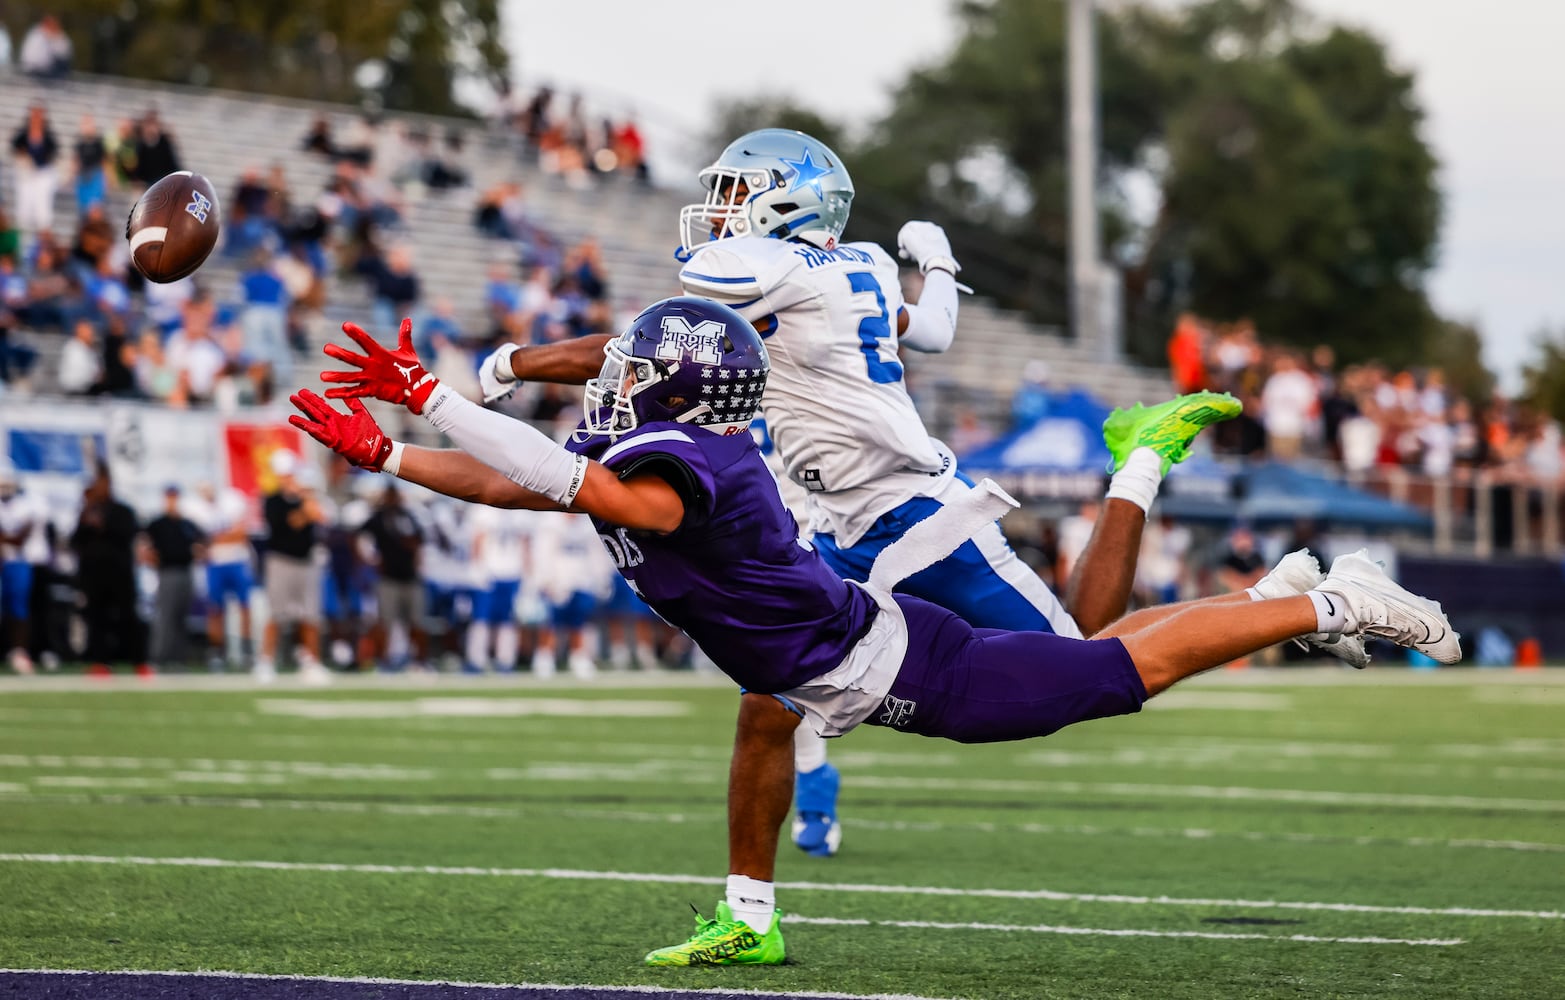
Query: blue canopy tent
x,y
1059,456
1273,493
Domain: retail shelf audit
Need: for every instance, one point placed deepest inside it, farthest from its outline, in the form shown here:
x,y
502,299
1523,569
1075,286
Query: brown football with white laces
x,y
173,228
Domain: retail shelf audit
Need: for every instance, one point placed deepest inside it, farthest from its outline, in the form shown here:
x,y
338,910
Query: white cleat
x,y
264,672
1382,608
1344,646
1298,573
1295,573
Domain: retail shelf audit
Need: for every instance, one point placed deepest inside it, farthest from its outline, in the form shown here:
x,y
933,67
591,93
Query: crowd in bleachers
x,y
1368,417
190,343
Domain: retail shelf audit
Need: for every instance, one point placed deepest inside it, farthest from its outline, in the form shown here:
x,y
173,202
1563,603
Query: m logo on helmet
x,y
699,343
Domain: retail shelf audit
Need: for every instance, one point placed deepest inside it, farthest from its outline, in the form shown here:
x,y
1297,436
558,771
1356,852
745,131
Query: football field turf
x,y
1310,834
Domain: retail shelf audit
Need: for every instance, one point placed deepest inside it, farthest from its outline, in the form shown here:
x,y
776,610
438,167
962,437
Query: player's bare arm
x,y
570,362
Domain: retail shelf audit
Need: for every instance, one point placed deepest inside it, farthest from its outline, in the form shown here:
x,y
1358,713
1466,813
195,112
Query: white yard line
x,y
573,874
1118,931
1222,792
20,794
378,981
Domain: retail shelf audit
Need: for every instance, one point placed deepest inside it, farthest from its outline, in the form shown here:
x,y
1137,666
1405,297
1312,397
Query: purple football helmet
x,y
688,360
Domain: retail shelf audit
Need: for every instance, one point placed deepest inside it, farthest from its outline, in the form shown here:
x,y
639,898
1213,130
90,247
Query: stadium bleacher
x,y
221,133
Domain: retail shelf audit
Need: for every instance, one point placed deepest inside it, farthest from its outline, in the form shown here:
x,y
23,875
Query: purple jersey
x,y
735,576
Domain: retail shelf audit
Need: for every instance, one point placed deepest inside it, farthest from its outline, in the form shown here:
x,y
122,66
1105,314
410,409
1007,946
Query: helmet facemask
x,y
609,399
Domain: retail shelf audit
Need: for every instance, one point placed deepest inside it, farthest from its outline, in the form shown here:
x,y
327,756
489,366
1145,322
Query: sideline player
x,y
223,516
680,488
765,242
22,546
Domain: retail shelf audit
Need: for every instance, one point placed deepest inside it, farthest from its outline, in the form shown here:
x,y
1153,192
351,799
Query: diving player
x,y
765,242
679,493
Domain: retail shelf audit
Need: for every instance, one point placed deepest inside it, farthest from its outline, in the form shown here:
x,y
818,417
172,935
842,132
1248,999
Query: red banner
x,y
250,448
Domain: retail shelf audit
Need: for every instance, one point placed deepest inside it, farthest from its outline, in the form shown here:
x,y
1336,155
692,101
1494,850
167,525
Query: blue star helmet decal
x,y
806,173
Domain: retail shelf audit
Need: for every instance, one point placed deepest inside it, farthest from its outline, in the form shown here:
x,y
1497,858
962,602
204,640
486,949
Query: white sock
x,y
753,901
1138,480
478,645
809,750
1331,613
506,642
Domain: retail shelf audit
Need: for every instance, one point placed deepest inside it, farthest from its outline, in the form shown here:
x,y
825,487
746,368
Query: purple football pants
x,y
990,685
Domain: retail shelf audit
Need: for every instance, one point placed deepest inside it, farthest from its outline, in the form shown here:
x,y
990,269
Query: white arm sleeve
x,y
521,452
931,323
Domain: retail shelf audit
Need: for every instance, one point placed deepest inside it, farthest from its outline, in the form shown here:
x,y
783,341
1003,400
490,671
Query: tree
x,y
296,48
1294,186
1543,378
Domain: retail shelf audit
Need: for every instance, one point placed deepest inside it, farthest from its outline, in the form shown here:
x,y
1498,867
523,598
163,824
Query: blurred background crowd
x,y
540,220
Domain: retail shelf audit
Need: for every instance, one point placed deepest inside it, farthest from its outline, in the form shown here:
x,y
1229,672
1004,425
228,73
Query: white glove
x,y
494,375
926,243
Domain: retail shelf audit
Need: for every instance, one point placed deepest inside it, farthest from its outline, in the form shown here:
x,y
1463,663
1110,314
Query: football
x,y
173,227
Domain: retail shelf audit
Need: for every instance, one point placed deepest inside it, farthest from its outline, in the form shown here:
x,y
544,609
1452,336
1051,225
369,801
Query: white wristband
x,y
393,461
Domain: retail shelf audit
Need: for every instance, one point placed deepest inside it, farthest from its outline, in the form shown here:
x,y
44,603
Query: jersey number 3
x,y
875,328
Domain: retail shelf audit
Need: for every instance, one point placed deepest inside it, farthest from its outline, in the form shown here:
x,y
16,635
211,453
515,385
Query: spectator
x,y
1187,350
1242,565
35,151
10,238
318,139
105,545
630,149
263,318
155,154
195,357
249,221
399,595
46,50
155,378
91,162
1075,531
81,362
22,524
119,362
122,152
1030,404
1288,403
293,580
395,287
172,544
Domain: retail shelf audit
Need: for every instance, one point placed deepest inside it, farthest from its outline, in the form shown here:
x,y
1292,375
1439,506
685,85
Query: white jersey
x,y
226,511
23,513
499,540
569,558
835,404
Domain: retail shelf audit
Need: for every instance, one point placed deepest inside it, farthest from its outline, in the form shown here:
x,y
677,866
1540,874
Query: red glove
x,y
394,376
353,435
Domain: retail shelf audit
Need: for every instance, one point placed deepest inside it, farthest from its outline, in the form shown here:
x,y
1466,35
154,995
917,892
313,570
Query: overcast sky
x,y
1489,76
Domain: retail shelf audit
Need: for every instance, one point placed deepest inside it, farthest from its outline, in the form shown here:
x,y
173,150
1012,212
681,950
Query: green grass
x,y
1384,790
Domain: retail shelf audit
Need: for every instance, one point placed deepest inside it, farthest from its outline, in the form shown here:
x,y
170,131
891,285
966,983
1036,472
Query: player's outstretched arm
x,y
518,451
570,362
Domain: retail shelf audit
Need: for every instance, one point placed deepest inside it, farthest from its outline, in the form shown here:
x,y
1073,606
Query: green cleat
x,y
724,941
1167,428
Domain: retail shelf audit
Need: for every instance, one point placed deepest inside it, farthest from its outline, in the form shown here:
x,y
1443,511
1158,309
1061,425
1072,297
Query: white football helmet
x,y
775,182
